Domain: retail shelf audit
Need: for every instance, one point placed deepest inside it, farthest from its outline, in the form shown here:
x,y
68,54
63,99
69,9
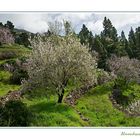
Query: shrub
x,y
4,76
14,113
104,77
124,93
127,73
7,55
18,75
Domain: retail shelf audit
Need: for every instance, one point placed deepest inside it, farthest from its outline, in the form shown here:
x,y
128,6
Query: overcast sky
x,y
38,22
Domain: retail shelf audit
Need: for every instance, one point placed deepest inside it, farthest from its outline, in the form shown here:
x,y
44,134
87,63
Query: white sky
x,y
38,22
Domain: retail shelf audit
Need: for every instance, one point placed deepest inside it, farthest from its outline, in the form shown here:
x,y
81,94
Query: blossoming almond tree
x,y
57,60
126,68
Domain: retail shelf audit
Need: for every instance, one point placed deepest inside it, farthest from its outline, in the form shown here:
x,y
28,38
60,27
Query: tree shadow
x,y
49,107
39,93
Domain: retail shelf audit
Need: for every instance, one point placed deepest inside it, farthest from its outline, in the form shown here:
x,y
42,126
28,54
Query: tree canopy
x,y
54,64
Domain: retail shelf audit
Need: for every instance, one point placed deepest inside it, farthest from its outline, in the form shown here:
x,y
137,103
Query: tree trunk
x,y
60,98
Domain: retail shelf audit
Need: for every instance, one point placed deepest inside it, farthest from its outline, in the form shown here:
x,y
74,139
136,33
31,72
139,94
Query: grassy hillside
x,y
97,106
46,112
5,86
14,51
17,50
94,105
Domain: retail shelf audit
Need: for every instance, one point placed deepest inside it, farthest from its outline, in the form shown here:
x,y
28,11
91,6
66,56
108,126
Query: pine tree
x,y
109,37
107,25
98,47
124,45
84,35
132,42
137,36
9,25
109,31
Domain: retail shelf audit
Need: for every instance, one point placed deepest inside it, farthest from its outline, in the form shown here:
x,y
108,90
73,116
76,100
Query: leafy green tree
x,y
1,24
9,25
23,39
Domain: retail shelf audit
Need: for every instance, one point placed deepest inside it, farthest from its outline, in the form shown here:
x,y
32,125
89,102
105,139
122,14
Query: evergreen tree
x,y
125,47
102,53
90,40
9,25
84,35
109,30
132,42
109,37
114,34
23,39
137,36
1,25
107,25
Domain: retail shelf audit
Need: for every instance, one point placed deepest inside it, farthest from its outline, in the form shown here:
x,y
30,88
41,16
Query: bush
x,y
7,55
4,76
18,75
104,77
14,113
17,68
125,93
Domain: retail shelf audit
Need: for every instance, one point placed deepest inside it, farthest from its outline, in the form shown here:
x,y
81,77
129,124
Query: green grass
x,y
14,47
5,85
5,88
46,112
18,50
4,76
96,106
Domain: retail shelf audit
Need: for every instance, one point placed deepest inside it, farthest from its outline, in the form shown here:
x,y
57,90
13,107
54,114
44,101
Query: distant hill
x,y
21,31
